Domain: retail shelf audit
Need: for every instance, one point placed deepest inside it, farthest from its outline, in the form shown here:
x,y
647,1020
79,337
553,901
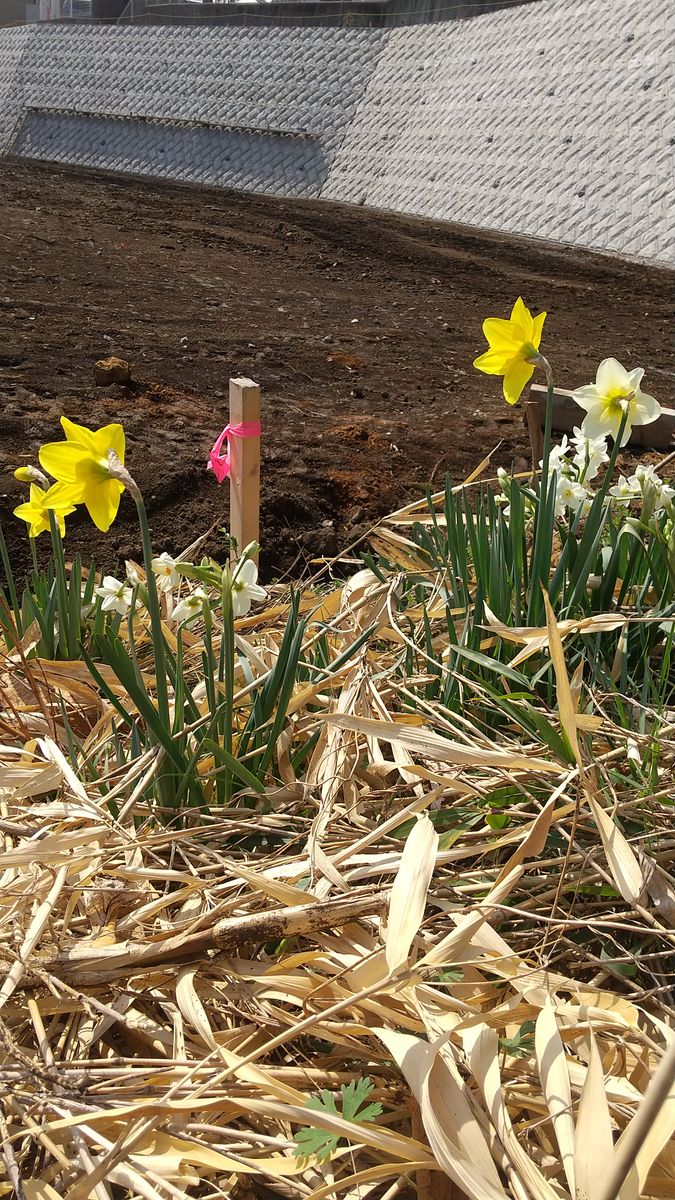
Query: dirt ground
x,y
361,328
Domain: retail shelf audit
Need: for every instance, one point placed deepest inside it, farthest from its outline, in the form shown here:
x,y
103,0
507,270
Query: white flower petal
x,y
645,409
612,377
597,424
241,603
635,378
247,572
587,396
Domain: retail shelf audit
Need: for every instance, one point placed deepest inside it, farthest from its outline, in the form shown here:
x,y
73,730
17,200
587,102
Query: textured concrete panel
x,y
13,46
555,120
249,161
295,80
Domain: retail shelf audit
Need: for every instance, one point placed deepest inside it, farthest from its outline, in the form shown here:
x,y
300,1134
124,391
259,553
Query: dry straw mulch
x,y
174,994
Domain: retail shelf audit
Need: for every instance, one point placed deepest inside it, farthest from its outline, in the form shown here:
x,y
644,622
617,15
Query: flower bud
x,y
651,494
31,475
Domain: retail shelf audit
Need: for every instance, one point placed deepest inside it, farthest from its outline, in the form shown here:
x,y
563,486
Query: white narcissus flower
x,y
590,454
646,473
189,608
646,480
245,588
557,460
132,573
164,567
625,490
115,596
615,390
569,494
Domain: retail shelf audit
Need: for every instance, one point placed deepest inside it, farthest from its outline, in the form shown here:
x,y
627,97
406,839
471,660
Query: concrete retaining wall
x,y
14,44
554,120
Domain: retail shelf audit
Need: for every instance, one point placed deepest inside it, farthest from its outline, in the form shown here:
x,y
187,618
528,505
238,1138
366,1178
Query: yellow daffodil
x,y
514,348
36,510
81,465
614,392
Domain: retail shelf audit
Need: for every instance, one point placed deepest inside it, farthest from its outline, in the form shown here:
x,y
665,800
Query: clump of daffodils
x,y
575,463
116,596
613,405
241,580
572,466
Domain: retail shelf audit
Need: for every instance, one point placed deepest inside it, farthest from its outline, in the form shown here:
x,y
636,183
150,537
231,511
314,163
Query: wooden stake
x,y
536,435
245,458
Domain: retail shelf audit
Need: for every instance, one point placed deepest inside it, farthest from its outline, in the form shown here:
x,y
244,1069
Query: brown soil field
x,y
360,326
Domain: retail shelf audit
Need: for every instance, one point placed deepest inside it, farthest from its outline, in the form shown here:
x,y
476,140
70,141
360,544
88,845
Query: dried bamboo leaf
x,y
594,1144
409,892
623,864
38,1189
555,1081
482,1048
659,1136
430,745
454,1134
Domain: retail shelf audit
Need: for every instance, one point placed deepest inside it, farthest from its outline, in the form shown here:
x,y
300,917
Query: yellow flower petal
x,y
79,434
493,362
110,437
36,510
503,335
96,441
537,329
102,500
515,380
61,459
521,316
37,523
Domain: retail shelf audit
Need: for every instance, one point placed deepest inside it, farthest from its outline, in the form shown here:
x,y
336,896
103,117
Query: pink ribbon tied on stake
x,y
221,464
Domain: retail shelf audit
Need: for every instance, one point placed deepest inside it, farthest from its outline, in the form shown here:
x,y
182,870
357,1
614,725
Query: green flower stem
x,y
227,667
548,429
543,529
63,609
616,450
155,615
